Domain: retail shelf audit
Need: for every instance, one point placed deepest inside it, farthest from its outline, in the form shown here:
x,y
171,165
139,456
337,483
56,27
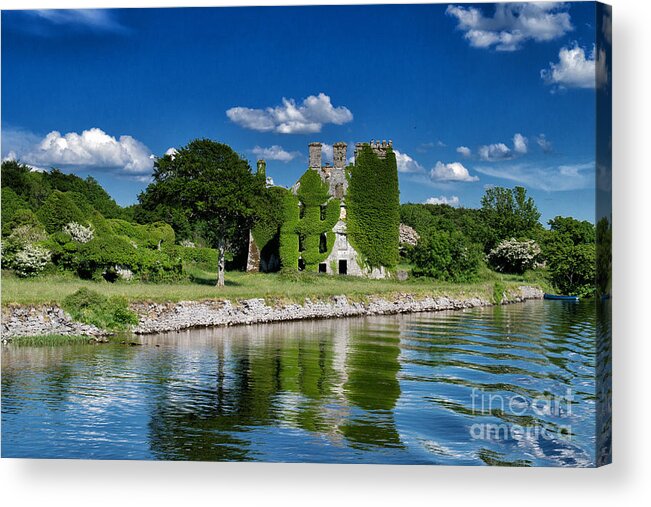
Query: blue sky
x,y
471,95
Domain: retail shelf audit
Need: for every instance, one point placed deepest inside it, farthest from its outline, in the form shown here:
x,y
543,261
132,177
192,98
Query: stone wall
x,y
163,317
157,318
43,320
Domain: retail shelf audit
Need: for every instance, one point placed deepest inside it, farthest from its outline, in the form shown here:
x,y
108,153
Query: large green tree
x,y
214,187
570,253
509,213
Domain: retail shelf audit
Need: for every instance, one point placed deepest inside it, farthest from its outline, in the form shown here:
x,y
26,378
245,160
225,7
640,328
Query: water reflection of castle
x,y
332,379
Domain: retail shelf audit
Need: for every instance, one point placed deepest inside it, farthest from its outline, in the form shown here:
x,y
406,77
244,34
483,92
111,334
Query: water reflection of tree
x,y
604,383
197,420
372,386
275,375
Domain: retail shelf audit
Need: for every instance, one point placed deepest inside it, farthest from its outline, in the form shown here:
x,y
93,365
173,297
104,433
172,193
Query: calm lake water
x,y
493,386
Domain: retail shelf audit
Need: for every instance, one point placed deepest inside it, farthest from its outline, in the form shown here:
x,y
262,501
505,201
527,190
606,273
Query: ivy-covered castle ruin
x,y
336,219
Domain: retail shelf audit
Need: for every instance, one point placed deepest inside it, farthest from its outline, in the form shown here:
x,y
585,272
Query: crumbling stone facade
x,y
343,258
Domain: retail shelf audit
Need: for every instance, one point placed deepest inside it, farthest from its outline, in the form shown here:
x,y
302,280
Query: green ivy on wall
x,y
373,208
271,216
302,226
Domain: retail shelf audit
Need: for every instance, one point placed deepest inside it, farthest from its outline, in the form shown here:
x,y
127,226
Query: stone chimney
x,y
262,167
315,155
339,155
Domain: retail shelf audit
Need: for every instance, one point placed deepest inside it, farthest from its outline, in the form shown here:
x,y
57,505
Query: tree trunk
x,y
220,267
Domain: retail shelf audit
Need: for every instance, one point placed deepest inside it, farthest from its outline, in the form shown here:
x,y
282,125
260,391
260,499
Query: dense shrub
x,y
153,235
207,257
58,210
91,307
11,203
104,256
447,256
27,234
23,217
513,256
373,208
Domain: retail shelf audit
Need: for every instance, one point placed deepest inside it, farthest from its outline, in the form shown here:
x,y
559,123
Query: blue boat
x,y
561,298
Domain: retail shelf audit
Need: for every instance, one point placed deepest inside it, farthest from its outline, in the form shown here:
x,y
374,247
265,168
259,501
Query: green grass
x,y
272,286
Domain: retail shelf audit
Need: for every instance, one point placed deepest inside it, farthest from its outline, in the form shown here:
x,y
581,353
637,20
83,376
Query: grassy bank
x,y
54,288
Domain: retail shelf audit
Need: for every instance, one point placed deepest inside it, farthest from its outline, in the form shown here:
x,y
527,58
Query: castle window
x,y
301,243
323,212
323,243
323,268
301,210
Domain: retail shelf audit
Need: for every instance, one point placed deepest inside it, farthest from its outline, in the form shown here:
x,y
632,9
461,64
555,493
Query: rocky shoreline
x,y
23,321
164,317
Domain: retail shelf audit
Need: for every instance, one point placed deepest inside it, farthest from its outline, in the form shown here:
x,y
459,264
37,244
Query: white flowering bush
x,y
79,232
26,234
31,260
187,243
513,256
124,273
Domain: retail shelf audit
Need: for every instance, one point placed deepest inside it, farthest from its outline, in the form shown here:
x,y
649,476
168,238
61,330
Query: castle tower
x,y
339,155
315,155
262,167
380,148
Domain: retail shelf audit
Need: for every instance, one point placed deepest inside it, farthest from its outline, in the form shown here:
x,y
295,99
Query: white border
x,y
88,483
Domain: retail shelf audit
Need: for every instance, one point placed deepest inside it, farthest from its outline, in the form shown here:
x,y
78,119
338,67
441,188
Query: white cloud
x,y
406,164
500,151
493,152
12,156
290,117
454,171
544,143
450,201
92,148
464,151
171,152
549,178
520,144
425,147
512,24
327,153
275,152
97,19
574,69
